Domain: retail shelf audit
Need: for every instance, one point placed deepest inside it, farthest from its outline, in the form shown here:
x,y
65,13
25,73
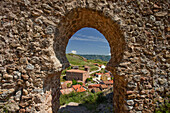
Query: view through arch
x,y
70,24
86,85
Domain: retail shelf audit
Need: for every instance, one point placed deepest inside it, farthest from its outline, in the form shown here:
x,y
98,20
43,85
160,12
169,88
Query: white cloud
x,y
73,51
88,38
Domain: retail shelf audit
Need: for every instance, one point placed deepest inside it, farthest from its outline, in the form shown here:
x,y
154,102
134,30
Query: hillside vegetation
x,y
101,57
80,60
77,60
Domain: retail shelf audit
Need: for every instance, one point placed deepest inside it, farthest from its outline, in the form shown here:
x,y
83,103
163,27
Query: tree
x,y
89,79
74,82
80,83
69,85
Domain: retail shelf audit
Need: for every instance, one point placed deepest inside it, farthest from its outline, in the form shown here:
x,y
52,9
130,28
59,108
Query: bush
x,y
89,79
72,97
165,108
80,83
82,97
90,99
74,82
69,85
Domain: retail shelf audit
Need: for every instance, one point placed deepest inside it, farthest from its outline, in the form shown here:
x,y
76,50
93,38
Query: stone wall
x,y
34,36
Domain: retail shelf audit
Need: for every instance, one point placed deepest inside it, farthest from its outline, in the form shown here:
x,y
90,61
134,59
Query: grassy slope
x,y
77,60
80,61
102,57
83,98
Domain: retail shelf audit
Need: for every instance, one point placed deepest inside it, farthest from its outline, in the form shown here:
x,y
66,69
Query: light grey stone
x,y
30,67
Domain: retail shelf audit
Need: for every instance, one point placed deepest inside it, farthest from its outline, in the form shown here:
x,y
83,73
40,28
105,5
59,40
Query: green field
x,y
83,98
101,57
77,60
80,61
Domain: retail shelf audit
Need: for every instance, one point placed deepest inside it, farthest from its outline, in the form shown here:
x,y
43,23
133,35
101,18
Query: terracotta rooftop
x,y
108,82
94,85
68,82
76,71
98,73
64,84
86,67
78,88
66,91
104,86
107,74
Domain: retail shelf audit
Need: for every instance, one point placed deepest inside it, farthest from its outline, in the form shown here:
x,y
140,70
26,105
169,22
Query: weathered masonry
x,y
33,39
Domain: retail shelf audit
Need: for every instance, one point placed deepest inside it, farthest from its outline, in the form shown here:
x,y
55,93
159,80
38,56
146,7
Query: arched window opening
x,y
86,82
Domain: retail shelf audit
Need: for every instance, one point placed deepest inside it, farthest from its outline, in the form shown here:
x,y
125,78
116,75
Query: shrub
x,y
80,83
69,85
74,82
165,108
89,79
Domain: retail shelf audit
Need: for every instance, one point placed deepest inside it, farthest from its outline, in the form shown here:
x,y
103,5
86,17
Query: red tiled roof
x,y
64,84
78,88
98,73
107,74
66,91
94,85
103,86
76,71
86,67
108,82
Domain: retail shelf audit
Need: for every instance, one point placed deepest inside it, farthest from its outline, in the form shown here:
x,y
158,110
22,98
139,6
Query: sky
x,y
88,41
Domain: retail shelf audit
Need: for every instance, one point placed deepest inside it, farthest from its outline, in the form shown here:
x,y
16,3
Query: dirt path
x,y
95,71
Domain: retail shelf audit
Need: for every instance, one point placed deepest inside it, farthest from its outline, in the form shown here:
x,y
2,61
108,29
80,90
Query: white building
x,y
103,66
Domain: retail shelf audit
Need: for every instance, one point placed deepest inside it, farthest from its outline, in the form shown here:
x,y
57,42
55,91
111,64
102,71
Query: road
x,y
99,69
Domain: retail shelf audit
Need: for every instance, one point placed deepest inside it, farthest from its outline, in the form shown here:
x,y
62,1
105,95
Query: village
x,y
76,80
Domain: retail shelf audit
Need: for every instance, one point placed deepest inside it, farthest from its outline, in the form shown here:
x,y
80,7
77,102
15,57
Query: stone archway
x,y
79,18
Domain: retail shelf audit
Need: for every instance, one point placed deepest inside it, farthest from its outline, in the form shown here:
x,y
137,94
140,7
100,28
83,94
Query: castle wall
x,y
33,40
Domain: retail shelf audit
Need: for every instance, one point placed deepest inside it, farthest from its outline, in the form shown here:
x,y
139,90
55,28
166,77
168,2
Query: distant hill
x,y
102,57
77,60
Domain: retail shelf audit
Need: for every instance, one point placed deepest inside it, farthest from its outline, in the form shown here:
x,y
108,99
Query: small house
x,y
66,91
77,75
78,88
